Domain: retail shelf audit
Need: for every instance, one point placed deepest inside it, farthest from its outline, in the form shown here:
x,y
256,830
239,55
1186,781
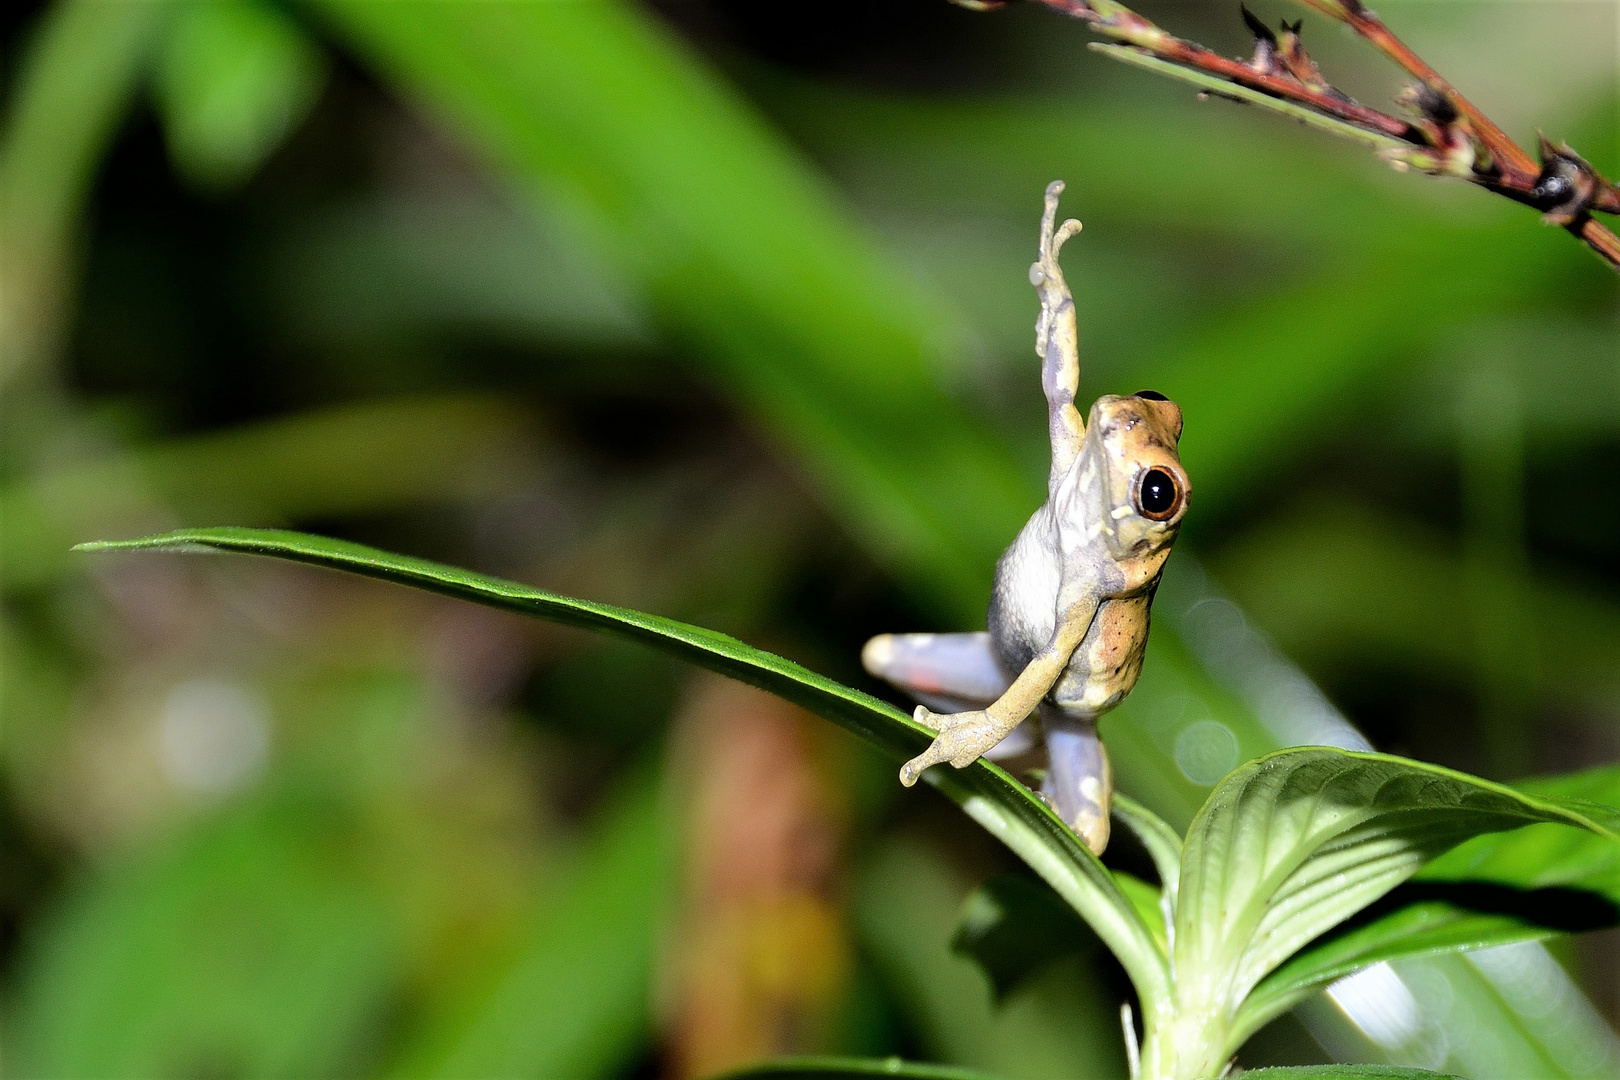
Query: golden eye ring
x,y
1158,495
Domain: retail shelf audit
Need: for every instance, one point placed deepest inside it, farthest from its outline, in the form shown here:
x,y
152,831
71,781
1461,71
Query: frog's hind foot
x,y
1079,781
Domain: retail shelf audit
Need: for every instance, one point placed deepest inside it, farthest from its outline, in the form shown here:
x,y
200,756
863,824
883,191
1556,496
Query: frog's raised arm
x,y
1057,339
966,735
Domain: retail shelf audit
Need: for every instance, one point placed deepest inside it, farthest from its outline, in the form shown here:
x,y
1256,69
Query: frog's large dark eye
x,y
1158,495
1151,395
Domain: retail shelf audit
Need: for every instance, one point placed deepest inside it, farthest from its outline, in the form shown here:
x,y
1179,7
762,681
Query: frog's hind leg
x,y
957,668
949,673
1079,780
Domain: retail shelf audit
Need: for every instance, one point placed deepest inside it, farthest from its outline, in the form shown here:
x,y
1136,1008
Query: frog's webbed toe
x,y
963,738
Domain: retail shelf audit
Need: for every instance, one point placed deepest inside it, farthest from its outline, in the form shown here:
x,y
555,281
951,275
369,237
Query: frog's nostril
x,y
1151,395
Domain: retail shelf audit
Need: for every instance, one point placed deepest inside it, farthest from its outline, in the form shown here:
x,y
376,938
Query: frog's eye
x,y
1158,495
1151,395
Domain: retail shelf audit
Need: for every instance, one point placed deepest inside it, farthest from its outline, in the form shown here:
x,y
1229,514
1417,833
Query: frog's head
x,y
1143,488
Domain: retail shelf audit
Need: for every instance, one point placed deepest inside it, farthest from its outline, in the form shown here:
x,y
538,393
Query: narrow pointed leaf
x,y
1422,925
1214,84
1543,856
1495,889
989,795
1162,844
850,1069
1296,842
1347,1072
1013,926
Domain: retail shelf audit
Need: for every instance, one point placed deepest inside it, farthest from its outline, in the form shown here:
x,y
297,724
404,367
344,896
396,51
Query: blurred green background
x,y
720,310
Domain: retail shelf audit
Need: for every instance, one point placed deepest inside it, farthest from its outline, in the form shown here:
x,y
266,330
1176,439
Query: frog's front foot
x,y
963,737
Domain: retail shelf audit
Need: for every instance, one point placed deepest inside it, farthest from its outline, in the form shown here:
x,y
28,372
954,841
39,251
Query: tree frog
x,y
1068,618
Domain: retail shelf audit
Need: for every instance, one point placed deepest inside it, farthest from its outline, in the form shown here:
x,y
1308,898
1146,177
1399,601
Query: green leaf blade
x,y
1410,928
820,1068
716,651
1347,1072
985,792
1292,844
1155,834
1542,856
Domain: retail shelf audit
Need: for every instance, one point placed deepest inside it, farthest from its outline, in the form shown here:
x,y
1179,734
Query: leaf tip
x,y
163,542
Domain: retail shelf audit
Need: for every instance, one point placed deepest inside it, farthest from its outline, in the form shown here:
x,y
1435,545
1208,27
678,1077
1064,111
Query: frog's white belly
x,y
1023,617
1023,607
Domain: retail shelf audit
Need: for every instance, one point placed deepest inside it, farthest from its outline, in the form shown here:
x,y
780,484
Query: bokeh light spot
x,y
214,736
1206,751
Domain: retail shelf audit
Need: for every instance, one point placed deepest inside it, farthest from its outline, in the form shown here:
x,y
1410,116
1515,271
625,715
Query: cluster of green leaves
x,y
1286,849
679,205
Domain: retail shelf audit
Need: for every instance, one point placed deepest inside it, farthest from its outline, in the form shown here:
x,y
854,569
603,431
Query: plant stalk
x,y
1449,137
1190,1045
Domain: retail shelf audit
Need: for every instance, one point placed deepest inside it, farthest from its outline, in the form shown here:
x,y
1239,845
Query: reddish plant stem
x,y
1597,237
1135,30
1510,172
1517,169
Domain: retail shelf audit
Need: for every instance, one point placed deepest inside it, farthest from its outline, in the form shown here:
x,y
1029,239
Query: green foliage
x,y
569,998
1414,924
267,937
850,1069
1012,927
1286,848
234,78
838,261
1291,845
252,948
998,802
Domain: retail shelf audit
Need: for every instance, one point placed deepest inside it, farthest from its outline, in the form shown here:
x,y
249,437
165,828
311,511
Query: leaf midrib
x,y
1226,967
